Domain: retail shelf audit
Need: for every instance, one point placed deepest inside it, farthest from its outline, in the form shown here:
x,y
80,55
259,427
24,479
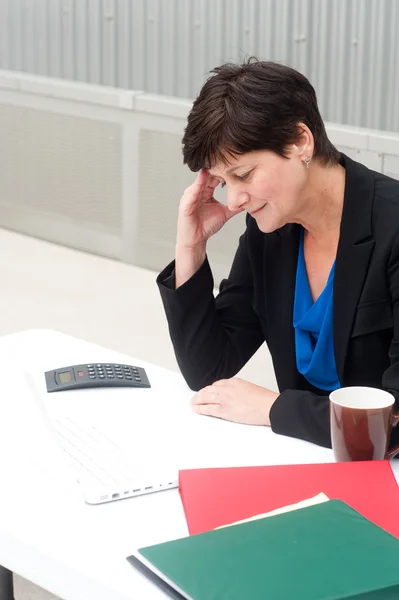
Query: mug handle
x,y
395,450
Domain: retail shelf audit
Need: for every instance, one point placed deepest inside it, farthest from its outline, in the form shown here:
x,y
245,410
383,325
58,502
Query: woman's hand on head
x,y
200,214
235,400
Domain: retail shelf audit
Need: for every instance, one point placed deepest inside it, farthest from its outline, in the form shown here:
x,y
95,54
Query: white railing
x,y
100,169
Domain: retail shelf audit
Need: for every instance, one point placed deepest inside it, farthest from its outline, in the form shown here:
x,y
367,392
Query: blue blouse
x,y
313,323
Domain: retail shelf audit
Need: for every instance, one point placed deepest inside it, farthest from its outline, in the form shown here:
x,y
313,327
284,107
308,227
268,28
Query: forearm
x,y
208,341
187,262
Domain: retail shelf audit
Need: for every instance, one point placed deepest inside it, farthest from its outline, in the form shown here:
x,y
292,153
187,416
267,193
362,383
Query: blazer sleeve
x,y
213,338
302,414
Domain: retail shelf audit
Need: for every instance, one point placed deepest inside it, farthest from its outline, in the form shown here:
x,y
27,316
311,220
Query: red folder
x,y
215,497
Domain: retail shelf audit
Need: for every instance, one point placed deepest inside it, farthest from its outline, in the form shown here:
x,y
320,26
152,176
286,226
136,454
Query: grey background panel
x,y
349,49
101,169
62,167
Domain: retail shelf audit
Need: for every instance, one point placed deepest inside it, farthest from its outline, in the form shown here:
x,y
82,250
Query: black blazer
x,y
214,338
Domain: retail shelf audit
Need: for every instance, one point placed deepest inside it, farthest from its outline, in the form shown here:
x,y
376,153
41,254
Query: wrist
x,y
272,397
190,255
188,250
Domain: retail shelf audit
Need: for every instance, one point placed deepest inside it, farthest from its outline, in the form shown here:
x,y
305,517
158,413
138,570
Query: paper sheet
x,y
278,511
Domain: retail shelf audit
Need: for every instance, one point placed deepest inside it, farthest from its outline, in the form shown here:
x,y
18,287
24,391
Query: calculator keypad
x,y
111,371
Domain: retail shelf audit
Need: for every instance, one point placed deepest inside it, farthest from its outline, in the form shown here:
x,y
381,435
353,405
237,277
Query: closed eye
x,y
239,177
244,176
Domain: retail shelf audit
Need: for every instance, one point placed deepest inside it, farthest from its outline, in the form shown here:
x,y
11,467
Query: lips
x,y
254,212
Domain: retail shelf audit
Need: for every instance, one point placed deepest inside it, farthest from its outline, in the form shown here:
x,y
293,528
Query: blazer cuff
x,y
188,294
281,414
166,278
302,414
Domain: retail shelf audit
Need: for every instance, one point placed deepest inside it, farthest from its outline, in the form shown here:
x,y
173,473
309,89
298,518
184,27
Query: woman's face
x,y
266,185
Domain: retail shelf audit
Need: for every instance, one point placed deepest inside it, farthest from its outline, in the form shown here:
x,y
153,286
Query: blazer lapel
x,y
280,260
353,255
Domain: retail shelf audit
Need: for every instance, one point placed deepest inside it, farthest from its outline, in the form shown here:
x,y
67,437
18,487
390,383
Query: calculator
x,y
96,375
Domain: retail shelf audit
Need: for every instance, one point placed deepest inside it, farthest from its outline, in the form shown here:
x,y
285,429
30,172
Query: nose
x,y
235,200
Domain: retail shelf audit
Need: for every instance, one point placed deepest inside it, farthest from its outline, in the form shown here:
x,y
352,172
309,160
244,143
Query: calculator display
x,y
65,377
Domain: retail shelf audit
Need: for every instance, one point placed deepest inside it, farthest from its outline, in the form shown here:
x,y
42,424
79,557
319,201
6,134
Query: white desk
x,y
48,534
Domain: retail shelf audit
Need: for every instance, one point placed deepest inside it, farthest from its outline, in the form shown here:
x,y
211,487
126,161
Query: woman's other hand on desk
x,y
235,400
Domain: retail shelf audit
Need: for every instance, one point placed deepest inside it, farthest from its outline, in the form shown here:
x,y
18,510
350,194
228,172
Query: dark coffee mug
x,y
361,423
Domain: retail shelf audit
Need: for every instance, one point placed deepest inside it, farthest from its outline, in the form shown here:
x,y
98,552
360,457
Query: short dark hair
x,y
253,106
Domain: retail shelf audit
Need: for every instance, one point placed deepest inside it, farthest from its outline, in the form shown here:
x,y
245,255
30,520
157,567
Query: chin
x,y
267,226
266,220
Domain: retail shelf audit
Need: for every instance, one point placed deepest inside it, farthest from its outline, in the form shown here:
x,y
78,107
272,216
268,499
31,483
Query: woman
x,y
316,273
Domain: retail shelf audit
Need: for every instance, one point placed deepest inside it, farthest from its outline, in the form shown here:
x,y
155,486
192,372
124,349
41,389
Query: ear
x,y
304,145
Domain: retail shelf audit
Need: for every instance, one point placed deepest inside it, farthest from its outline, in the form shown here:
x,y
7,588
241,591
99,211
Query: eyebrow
x,y
227,172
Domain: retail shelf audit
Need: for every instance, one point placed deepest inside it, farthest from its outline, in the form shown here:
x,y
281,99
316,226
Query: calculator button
x,y
101,376
92,377
137,379
110,376
128,377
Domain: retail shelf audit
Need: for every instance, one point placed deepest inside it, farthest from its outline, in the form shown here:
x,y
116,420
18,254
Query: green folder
x,y
322,552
